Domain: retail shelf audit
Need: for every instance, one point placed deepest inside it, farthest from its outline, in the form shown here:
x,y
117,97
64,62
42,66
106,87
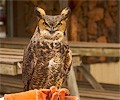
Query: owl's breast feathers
x,y
45,63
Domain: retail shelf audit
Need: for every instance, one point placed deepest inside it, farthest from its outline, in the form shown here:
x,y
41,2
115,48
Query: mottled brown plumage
x,y
47,58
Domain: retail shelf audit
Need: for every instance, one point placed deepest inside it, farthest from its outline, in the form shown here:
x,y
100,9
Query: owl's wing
x,y
68,62
66,68
29,62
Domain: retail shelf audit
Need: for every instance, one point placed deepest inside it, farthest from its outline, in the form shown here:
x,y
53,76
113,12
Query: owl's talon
x,y
53,89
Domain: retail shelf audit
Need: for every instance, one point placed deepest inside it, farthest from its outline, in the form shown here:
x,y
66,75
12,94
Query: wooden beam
x,y
11,50
11,84
8,69
94,45
98,94
89,77
97,52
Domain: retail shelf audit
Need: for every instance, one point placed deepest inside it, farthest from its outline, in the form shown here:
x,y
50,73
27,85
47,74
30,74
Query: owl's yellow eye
x,y
45,24
59,24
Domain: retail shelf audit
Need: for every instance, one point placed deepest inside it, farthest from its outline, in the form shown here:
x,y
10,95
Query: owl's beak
x,y
52,31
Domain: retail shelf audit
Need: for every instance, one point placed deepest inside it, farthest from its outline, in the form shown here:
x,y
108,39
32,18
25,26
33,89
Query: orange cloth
x,y
44,94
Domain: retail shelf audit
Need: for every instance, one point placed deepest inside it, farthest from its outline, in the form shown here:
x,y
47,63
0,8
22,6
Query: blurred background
x,y
91,21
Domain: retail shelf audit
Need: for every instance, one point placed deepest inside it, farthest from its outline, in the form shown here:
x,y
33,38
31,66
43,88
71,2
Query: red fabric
x,y
44,94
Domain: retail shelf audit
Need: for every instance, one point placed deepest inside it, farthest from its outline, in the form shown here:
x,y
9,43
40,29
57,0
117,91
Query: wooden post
x,y
72,84
0,82
119,19
9,10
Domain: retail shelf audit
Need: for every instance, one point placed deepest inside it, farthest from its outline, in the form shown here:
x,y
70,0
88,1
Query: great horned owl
x,y
47,58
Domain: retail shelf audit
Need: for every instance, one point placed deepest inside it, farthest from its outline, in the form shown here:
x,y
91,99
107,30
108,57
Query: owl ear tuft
x,y
39,12
66,12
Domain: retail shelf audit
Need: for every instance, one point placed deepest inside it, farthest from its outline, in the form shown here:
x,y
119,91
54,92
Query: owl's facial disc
x,y
52,24
51,31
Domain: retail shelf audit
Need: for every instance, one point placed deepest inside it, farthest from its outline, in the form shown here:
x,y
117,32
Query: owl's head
x,y
52,27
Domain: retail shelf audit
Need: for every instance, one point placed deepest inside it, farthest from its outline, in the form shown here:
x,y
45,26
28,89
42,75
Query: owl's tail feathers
x,y
44,94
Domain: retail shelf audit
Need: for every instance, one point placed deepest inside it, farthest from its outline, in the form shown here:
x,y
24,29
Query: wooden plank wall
x,y
106,73
94,20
